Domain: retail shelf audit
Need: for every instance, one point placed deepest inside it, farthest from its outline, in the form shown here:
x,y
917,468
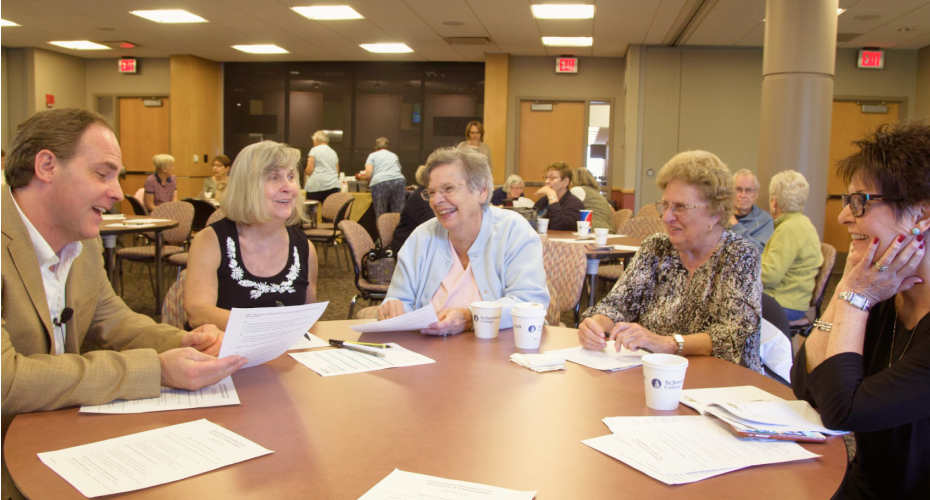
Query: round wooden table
x,y
471,416
112,229
596,256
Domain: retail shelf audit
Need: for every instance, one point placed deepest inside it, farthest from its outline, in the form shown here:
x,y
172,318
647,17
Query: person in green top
x,y
792,256
585,188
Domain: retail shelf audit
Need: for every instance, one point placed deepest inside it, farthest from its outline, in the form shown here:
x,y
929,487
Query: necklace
x,y
894,333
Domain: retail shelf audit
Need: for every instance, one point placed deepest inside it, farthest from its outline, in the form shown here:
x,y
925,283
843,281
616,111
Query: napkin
x,y
539,362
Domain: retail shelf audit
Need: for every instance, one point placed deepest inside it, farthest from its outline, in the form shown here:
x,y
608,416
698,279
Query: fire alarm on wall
x,y
49,100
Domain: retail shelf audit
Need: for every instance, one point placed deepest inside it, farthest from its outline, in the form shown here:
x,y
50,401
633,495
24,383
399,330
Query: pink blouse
x,y
458,288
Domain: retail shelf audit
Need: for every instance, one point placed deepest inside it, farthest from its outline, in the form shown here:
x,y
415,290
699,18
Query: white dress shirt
x,y
55,269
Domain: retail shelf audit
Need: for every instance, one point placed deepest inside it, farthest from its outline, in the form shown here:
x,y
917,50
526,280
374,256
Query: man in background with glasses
x,y
750,221
561,207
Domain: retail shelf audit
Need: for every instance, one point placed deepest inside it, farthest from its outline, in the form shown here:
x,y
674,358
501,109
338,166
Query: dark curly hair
x,y
894,160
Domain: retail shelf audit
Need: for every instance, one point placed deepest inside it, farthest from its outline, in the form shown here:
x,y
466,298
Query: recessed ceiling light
x,y
81,45
840,11
386,48
568,41
328,12
169,16
4,23
260,49
563,11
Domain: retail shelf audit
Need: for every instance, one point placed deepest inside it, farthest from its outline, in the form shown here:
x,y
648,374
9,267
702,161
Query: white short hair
x,y
791,189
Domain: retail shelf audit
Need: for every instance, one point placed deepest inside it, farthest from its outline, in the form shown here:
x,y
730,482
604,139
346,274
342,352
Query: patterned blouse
x,y
723,299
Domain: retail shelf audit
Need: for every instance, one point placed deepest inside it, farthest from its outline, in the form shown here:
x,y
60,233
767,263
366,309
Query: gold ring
x,y
880,268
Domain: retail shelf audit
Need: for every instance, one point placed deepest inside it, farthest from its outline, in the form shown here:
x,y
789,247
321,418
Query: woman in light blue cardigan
x,y
496,248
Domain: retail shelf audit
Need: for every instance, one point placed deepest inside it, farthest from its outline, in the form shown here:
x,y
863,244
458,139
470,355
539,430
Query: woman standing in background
x,y
474,135
322,169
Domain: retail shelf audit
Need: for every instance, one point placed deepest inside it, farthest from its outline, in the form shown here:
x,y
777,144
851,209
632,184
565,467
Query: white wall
x,y
153,79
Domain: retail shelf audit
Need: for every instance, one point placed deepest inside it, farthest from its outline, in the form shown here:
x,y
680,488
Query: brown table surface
x,y
471,416
601,254
106,230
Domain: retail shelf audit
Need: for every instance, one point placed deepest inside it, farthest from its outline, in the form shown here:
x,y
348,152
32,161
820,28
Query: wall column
x,y
196,121
496,81
797,96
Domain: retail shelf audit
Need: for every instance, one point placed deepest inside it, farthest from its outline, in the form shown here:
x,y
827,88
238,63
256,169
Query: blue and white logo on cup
x,y
657,383
476,318
532,329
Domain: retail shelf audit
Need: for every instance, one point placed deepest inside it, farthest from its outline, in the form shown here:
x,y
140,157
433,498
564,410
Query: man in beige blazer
x,y
62,176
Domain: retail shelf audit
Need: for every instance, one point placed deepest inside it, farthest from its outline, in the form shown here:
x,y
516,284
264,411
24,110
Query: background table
x,y
110,234
595,257
471,416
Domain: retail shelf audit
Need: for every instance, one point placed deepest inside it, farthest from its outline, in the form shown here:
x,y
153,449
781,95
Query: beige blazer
x,y
32,379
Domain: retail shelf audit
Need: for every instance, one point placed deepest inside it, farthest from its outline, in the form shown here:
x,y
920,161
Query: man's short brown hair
x,y
57,130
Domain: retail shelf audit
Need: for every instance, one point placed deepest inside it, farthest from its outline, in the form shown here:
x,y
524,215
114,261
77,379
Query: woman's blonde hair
x,y
791,189
708,174
321,137
513,179
381,143
244,201
161,161
584,177
422,177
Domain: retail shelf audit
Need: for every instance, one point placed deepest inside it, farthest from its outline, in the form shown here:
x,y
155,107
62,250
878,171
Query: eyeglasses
x,y
677,208
857,201
745,191
553,178
445,191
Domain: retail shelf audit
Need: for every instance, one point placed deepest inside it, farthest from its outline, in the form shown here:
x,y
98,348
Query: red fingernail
x,y
901,239
922,246
920,237
875,241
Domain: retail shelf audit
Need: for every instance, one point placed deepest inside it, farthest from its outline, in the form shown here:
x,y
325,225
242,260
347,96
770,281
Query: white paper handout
x,y
222,393
607,359
330,362
416,320
407,485
150,458
264,333
539,362
309,341
628,248
127,224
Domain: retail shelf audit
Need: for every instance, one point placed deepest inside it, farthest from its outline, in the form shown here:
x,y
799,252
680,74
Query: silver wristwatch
x,y
856,300
681,343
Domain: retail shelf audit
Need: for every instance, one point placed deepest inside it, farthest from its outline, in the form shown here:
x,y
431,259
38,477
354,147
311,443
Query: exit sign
x,y
128,65
566,65
872,59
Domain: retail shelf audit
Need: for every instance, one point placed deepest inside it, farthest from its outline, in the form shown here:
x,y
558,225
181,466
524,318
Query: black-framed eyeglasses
x,y
857,201
445,191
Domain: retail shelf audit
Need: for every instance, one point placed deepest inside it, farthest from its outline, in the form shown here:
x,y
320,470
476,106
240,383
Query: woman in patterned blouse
x,y
695,290
255,257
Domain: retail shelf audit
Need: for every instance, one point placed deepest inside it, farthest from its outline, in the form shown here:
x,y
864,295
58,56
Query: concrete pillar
x,y
797,96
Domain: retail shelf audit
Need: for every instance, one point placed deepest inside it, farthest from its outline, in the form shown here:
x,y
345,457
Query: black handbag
x,y
378,266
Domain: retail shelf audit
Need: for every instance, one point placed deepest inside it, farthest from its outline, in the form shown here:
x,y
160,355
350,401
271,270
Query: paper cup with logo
x,y
587,216
486,317
542,225
663,376
600,236
583,228
528,320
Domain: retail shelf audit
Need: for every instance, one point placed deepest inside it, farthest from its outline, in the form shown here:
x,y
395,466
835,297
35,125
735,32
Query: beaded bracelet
x,y
823,325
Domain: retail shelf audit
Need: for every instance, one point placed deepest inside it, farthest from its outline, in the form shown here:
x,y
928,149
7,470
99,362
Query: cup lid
x,y
486,304
665,361
528,309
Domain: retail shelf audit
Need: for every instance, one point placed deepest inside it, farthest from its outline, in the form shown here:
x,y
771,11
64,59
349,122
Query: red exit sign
x,y
128,65
872,59
566,65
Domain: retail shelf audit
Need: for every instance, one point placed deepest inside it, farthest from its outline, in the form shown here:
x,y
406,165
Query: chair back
x,y
566,267
359,242
621,216
137,207
216,216
648,210
202,212
641,227
172,309
181,211
331,205
387,223
823,276
774,314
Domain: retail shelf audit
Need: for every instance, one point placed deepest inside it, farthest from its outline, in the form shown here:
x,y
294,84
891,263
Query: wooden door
x,y
547,137
849,124
143,133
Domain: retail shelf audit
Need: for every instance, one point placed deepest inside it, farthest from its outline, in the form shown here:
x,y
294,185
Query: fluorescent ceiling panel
x,y
328,12
5,23
81,45
563,11
568,41
386,48
169,16
260,49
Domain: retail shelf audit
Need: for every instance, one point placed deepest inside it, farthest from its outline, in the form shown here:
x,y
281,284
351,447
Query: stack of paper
x,y
400,484
608,359
331,362
748,408
539,362
678,450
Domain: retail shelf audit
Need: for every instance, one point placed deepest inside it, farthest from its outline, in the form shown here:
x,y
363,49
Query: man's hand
x,y
189,369
207,339
390,309
451,321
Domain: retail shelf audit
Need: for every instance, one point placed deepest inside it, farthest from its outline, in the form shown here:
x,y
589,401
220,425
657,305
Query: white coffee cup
x,y
663,377
600,236
486,317
583,228
542,225
208,195
528,321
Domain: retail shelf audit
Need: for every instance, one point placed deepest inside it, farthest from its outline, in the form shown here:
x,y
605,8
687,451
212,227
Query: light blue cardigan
x,y
506,260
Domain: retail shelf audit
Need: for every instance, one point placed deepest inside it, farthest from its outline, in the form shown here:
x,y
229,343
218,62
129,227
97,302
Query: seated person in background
x,y
750,221
792,257
255,257
855,367
416,212
55,289
162,186
469,252
694,290
556,203
511,190
585,188
215,185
